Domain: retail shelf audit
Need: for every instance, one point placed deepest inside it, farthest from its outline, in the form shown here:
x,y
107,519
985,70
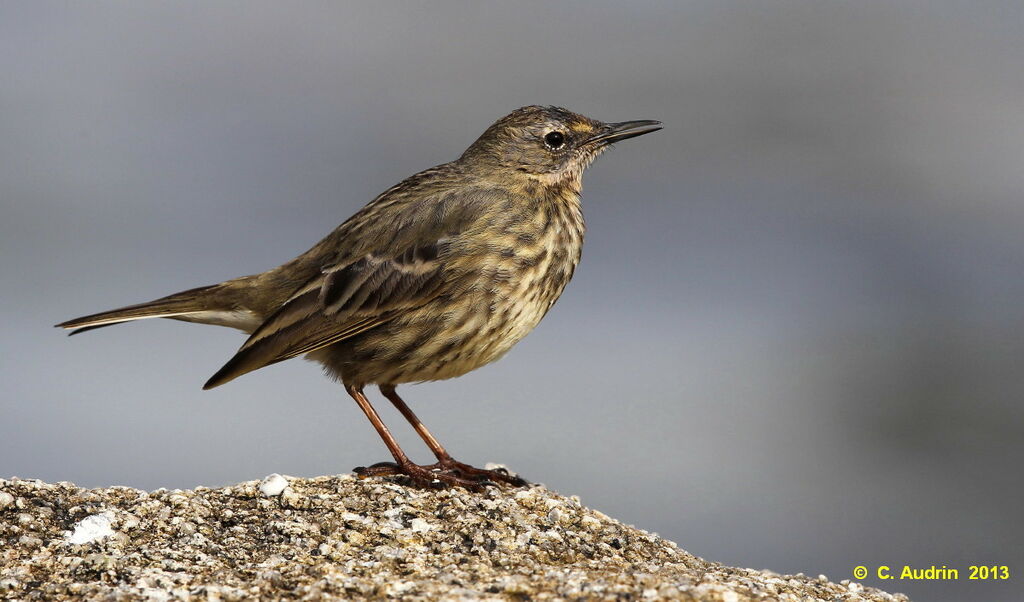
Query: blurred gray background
x,y
795,340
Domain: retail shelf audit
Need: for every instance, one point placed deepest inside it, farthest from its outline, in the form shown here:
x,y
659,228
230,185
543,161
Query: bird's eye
x,y
554,140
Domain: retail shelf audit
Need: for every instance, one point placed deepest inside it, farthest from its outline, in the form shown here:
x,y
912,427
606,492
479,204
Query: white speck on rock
x,y
524,538
273,485
730,596
524,494
92,528
153,594
420,526
400,587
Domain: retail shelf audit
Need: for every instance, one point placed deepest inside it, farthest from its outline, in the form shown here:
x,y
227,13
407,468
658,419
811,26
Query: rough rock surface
x,y
341,537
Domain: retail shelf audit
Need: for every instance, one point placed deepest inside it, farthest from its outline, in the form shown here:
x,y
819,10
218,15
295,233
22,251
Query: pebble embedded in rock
x,y
92,528
273,485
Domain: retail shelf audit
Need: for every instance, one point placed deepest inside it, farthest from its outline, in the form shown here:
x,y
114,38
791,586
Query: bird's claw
x,y
498,475
442,474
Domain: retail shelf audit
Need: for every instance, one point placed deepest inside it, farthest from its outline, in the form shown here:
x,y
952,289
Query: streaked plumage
x,y
437,276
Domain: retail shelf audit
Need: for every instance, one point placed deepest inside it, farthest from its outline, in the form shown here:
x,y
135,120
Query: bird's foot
x,y
423,477
497,475
441,475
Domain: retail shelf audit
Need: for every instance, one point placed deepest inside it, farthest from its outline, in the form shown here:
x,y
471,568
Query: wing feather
x,y
341,302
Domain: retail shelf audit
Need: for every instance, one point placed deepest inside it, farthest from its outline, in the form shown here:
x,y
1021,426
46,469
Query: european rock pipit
x,y
439,275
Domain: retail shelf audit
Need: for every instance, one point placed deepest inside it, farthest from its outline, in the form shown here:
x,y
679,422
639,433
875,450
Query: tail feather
x,y
243,362
93,327
192,301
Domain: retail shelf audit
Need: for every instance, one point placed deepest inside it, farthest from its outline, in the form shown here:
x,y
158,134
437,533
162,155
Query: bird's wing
x,y
393,256
341,302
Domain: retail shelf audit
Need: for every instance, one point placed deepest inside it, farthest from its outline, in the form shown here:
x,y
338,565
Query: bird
x,y
437,276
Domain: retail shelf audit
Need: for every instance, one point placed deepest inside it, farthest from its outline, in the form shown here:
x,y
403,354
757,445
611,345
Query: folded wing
x,y
342,301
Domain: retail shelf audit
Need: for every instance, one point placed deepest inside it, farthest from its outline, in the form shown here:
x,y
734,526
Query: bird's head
x,y
550,144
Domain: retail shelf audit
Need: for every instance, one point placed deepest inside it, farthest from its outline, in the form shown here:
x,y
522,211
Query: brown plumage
x,y
437,276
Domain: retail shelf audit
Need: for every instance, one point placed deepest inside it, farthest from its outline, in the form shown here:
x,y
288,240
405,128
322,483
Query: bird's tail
x,y
205,304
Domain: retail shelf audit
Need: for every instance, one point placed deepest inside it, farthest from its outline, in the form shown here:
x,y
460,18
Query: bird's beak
x,y
614,132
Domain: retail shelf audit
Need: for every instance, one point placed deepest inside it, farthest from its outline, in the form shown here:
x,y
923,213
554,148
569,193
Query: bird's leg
x,y
444,460
421,476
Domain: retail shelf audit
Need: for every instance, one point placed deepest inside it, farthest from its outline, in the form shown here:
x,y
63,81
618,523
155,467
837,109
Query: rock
x,y
273,485
341,537
92,528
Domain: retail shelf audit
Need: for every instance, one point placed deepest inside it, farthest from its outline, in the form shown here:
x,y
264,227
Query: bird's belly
x,y
492,338
451,337
473,337
503,295
508,305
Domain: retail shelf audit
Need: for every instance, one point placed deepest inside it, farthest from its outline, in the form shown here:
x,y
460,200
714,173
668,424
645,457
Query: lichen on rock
x,y
341,537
